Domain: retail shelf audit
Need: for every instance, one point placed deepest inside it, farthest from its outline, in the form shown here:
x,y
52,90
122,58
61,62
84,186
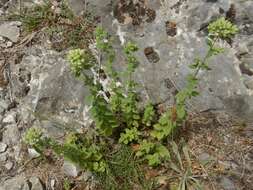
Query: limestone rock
x,y
10,30
36,183
70,169
9,165
3,147
223,88
11,135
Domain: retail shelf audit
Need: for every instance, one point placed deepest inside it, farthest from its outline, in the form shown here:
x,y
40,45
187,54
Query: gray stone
x,y
33,153
10,30
3,147
227,184
9,165
3,157
205,158
221,88
86,176
48,91
9,44
70,169
14,183
10,118
77,6
3,106
11,135
36,183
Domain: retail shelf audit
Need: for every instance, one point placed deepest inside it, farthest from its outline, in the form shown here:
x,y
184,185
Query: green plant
x,y
149,115
154,153
81,151
66,184
81,63
130,135
164,127
218,30
124,172
80,60
183,172
33,137
117,117
76,149
222,29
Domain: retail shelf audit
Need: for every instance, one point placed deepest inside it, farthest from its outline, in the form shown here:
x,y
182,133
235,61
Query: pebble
x,y
3,147
33,153
3,157
9,119
36,183
9,44
10,30
227,184
9,165
70,169
11,135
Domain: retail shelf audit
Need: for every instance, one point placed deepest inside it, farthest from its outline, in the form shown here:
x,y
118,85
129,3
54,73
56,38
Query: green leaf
x,y
181,112
177,154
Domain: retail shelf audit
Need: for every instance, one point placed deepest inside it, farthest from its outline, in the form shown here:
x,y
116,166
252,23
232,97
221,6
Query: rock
x,y
9,44
77,6
86,176
3,106
3,157
9,165
221,88
10,30
10,119
47,87
36,183
14,183
205,158
33,153
11,135
3,147
70,169
227,184
16,153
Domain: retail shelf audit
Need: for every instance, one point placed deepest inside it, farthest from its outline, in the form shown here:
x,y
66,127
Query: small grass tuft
x,y
58,22
124,172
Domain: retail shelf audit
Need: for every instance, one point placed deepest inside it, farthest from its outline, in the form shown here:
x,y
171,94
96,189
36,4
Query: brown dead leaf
x,y
151,173
135,147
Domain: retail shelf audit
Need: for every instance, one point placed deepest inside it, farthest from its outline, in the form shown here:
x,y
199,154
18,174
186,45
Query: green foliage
x,y
82,152
164,127
149,115
116,114
80,60
222,29
102,114
33,136
103,43
130,135
124,172
130,112
66,185
154,153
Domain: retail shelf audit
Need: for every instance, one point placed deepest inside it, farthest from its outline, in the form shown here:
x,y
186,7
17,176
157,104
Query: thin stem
x,y
206,57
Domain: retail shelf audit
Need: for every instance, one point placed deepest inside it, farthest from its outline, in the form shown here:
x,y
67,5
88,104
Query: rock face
x,y
171,34
46,90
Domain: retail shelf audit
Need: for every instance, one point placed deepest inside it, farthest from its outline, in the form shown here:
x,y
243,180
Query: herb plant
x,y
115,110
